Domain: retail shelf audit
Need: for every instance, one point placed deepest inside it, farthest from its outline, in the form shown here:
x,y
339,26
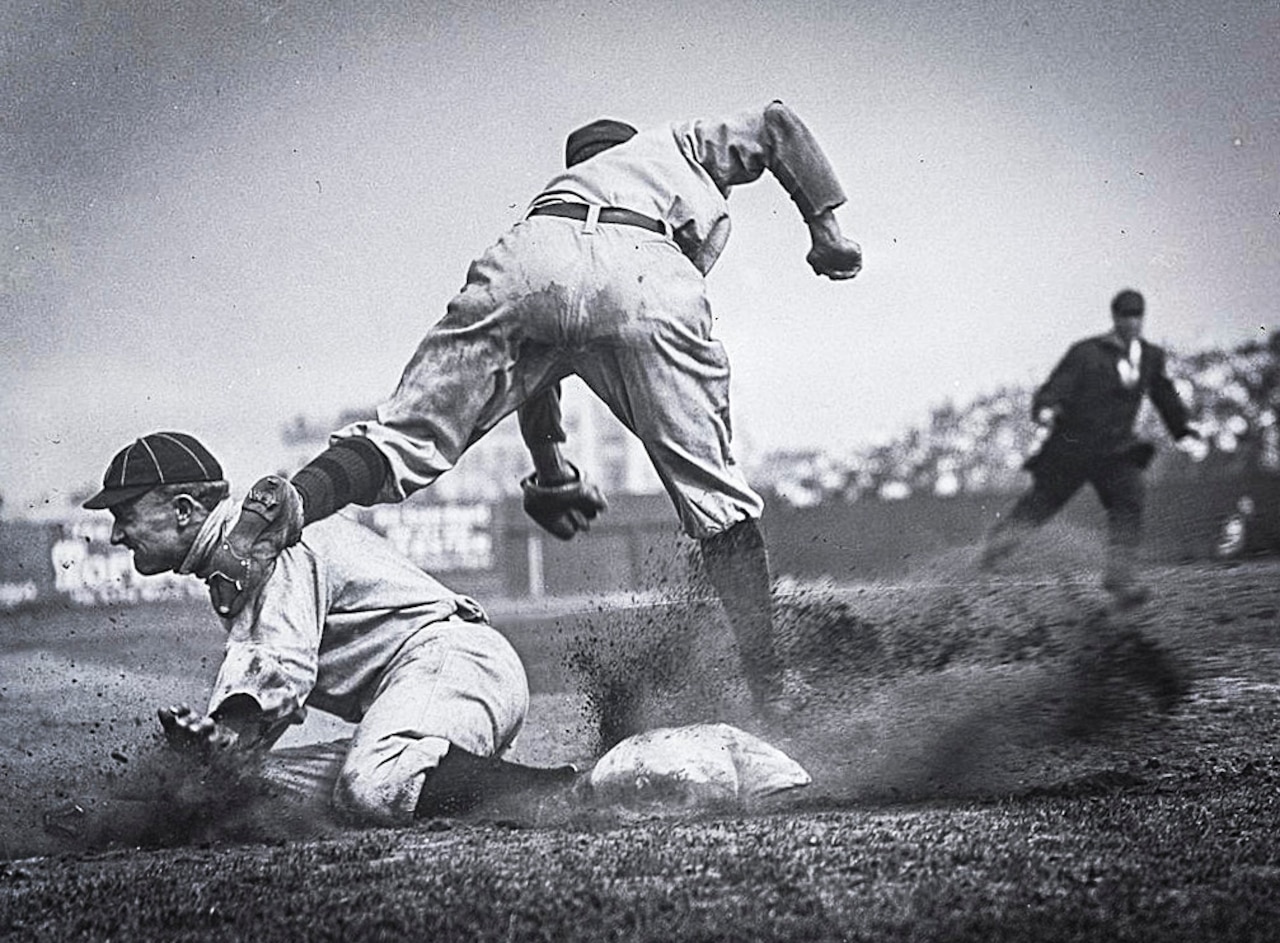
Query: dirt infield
x,y
994,758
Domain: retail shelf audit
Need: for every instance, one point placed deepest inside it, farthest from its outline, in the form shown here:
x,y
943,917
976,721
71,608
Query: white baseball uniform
x,y
622,307
347,625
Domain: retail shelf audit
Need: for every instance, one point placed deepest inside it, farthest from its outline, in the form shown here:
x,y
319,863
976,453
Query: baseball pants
x,y
457,683
620,307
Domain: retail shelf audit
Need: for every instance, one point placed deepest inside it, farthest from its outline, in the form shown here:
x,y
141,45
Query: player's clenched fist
x,y
837,262
832,254
563,509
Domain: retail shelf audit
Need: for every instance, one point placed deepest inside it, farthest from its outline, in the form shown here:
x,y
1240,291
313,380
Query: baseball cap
x,y
1127,302
591,139
161,458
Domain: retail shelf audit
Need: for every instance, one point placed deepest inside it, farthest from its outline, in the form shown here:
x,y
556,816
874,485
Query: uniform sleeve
x,y
540,419
1173,412
739,149
1058,391
273,647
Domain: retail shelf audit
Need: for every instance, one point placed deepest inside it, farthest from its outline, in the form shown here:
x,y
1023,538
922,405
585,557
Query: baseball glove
x,y
563,509
270,520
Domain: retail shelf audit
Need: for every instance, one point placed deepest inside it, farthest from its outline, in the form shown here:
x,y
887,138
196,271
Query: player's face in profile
x,y
149,527
1128,326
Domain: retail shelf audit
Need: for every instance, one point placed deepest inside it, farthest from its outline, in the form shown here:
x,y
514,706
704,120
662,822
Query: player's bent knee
x,y
374,800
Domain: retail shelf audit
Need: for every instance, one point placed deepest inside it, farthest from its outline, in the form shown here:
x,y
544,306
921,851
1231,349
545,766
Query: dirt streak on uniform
x,y
349,626
624,308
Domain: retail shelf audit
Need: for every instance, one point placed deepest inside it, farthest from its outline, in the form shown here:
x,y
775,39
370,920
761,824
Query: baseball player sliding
x,y
345,625
602,278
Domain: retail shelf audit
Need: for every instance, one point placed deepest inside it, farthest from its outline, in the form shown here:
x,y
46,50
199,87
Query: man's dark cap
x,y
591,139
161,458
1127,302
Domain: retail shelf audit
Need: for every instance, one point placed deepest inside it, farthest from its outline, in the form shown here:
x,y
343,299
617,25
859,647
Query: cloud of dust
x,y
948,682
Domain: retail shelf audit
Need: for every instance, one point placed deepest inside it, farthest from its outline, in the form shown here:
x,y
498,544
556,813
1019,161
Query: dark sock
x,y
461,781
738,566
351,471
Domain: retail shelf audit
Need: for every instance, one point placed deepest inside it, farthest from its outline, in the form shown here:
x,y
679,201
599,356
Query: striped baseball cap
x,y
161,458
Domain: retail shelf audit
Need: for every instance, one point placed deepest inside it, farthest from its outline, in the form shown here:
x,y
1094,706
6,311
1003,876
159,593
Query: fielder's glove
x,y
563,509
270,520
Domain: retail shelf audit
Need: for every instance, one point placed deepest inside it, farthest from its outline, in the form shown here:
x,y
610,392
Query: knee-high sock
x,y
351,471
738,566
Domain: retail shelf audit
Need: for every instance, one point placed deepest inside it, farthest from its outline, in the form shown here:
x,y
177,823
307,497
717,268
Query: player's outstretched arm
x,y
798,162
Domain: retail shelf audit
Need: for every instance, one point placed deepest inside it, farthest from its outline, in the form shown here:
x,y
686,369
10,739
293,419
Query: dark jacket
x,y
1095,411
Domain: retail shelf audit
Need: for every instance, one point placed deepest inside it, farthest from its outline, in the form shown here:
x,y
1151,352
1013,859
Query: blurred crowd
x,y
1233,396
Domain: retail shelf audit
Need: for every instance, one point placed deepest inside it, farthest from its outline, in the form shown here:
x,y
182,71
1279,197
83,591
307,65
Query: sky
x,y
216,217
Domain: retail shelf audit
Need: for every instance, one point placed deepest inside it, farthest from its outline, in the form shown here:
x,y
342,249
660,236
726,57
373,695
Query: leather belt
x,y
608,214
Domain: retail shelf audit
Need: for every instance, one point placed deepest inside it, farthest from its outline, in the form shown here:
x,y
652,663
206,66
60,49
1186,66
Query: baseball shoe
x,y
462,782
992,556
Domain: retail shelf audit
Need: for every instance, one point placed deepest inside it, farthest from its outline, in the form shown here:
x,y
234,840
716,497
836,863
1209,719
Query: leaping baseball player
x,y
345,625
604,277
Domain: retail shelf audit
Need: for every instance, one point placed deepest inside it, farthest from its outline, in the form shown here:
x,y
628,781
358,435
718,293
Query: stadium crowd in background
x,y
980,447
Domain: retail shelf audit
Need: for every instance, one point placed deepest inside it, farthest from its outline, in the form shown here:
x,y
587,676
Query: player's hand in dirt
x,y
832,254
271,519
188,731
563,509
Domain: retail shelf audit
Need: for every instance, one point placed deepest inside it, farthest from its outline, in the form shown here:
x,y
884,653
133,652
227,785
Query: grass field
x,y
989,755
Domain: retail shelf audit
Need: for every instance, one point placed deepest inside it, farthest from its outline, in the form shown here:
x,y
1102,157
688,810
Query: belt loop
x,y
592,220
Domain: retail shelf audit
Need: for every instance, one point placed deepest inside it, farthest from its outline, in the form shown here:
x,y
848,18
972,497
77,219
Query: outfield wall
x,y
1183,522
495,551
